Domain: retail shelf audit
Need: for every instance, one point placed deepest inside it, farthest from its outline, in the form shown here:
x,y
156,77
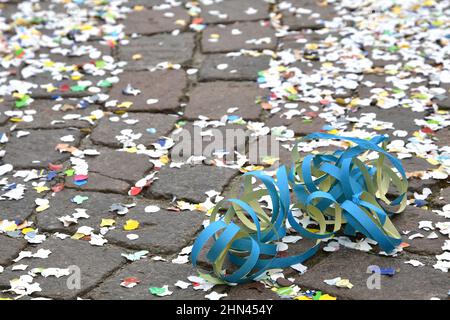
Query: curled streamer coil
x,y
340,190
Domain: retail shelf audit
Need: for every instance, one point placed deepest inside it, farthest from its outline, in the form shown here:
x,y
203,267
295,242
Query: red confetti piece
x,y
134,191
197,21
55,167
427,130
80,177
64,87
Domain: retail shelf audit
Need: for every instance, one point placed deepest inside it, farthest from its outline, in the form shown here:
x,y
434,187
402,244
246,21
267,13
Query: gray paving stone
x,y
7,10
45,117
100,183
240,67
157,49
409,221
9,249
313,19
97,207
237,36
150,274
416,184
190,182
443,100
95,264
234,10
300,125
110,163
164,232
4,118
263,148
39,145
443,103
152,231
410,283
443,197
148,22
107,131
213,99
165,86
442,138
213,141
18,209
417,164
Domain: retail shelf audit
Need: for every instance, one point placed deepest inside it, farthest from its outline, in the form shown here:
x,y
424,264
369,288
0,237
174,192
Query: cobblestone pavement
x,y
95,94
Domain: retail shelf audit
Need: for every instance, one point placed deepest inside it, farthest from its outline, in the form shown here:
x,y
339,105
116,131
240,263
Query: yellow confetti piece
x,y
214,36
76,77
131,150
327,297
333,131
107,222
131,225
42,208
138,8
396,10
26,230
270,160
125,104
292,90
164,159
48,63
312,46
302,298
51,88
78,236
40,189
433,161
344,283
11,227
137,56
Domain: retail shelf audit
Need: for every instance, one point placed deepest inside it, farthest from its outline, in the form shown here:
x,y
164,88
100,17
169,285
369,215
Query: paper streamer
x,y
337,191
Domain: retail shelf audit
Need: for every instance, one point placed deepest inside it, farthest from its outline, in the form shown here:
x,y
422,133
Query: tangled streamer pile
x,y
341,190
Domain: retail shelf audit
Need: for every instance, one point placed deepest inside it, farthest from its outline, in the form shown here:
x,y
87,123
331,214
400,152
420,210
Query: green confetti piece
x,y
285,291
104,84
69,172
78,88
317,295
100,64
